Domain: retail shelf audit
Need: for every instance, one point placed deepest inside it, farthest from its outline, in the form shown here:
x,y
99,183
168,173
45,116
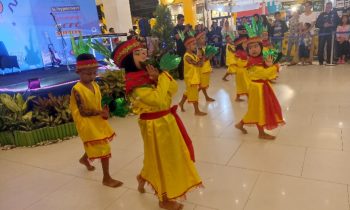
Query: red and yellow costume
x,y
168,153
206,69
230,59
263,107
94,131
192,77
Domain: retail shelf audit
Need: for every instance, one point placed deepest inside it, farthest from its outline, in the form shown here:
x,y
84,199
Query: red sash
x,y
273,110
172,110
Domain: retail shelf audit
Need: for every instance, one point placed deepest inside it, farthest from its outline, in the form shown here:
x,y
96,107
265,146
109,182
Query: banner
x,y
28,29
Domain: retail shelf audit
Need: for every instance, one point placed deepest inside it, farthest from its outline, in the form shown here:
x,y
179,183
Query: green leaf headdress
x,y
252,32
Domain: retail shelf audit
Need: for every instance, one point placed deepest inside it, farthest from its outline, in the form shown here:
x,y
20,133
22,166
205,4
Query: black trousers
x,y
321,44
180,68
343,49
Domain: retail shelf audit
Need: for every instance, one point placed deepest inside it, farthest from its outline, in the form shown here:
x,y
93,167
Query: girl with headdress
x,y
91,119
264,110
192,65
168,164
205,70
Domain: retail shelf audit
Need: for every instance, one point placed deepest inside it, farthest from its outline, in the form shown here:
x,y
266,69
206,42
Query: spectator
x,y
226,30
293,37
266,24
242,32
216,39
180,47
305,43
327,22
309,17
343,39
257,20
279,27
111,31
145,27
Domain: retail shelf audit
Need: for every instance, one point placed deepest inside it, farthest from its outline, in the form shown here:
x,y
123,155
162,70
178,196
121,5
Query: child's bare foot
x,y
111,182
199,113
209,99
240,127
171,205
267,136
141,186
87,164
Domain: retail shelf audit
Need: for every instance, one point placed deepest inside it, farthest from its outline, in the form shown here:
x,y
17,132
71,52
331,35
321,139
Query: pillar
x,y
190,12
118,15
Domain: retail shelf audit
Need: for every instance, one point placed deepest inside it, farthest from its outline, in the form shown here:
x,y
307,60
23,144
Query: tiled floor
x,y
305,168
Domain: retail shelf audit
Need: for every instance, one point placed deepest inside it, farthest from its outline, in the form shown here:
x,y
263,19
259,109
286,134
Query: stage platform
x,y
57,81
48,77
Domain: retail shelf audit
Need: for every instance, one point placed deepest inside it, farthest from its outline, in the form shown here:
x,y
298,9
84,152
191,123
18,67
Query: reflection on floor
x,y
306,167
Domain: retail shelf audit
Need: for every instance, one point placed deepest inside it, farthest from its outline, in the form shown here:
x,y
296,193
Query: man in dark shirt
x,y
279,27
327,22
180,47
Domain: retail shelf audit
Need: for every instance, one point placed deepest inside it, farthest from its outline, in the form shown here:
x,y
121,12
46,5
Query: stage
x,y
58,81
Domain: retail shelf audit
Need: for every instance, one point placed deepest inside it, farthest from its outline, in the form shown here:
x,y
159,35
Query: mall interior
x,y
175,104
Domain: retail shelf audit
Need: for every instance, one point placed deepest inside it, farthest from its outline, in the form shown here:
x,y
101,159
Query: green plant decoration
x,y
163,29
121,107
103,50
80,47
18,117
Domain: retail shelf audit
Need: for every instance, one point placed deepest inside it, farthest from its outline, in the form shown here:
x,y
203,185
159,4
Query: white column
x,y
118,15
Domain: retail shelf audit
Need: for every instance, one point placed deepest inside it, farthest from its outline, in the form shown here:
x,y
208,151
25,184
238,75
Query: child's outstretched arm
x,y
82,108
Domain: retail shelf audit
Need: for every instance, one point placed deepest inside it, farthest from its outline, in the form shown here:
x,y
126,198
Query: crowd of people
x,y
300,30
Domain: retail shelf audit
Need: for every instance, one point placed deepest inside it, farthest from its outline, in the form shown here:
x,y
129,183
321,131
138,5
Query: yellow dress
x,y
230,59
205,72
256,114
94,131
192,78
242,80
167,165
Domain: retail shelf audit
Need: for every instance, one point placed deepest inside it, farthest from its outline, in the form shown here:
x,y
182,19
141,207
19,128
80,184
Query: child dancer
x,y
168,153
242,80
263,107
305,43
192,65
91,119
205,70
230,58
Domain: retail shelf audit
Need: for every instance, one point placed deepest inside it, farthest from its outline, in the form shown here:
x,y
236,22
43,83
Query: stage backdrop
x,y
28,29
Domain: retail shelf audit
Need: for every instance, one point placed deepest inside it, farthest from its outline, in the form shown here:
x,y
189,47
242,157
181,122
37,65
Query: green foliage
x,y
112,86
112,83
16,115
51,111
80,47
103,50
163,29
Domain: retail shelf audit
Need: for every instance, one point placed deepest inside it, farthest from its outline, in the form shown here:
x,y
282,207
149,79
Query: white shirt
x,y
311,18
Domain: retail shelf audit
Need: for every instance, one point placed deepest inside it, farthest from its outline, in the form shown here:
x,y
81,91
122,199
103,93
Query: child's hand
x,y
105,112
152,72
269,61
